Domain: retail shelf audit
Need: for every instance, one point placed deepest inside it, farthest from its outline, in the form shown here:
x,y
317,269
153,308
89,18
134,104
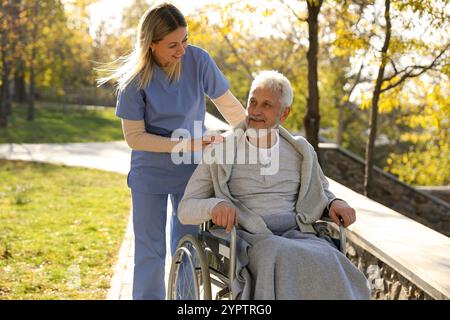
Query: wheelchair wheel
x,y
189,273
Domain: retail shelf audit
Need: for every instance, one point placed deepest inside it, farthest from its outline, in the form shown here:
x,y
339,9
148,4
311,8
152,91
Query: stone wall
x,y
441,192
348,169
385,282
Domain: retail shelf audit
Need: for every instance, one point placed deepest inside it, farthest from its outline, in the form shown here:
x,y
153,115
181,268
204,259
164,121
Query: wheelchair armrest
x,y
220,232
342,234
326,219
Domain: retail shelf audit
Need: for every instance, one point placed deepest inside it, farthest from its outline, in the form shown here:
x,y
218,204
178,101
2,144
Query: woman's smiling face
x,y
171,48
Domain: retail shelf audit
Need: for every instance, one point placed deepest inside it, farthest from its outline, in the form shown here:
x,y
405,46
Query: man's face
x,y
264,109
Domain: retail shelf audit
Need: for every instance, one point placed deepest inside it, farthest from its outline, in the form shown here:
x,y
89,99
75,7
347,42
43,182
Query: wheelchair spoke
x,y
187,288
186,279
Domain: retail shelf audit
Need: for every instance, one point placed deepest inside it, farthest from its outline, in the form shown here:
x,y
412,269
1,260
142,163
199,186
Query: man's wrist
x,y
214,205
331,202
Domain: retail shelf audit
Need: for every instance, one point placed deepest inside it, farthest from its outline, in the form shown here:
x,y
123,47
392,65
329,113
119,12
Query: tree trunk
x,y
6,97
31,94
311,120
6,94
340,128
31,88
20,93
3,118
368,183
4,87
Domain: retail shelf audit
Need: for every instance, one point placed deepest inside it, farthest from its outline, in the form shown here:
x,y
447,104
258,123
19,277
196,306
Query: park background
x,y
372,77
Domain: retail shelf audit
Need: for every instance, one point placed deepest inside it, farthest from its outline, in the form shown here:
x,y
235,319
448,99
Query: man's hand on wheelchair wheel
x,y
340,210
224,215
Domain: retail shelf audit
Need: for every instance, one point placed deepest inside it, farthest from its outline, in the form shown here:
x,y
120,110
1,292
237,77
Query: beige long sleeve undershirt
x,y
230,108
138,139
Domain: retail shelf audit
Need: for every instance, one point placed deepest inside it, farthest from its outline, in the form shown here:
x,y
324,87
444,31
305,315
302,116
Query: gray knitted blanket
x,y
294,265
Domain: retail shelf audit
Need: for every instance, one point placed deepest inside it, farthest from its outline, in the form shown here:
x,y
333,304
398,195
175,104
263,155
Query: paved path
x,y
108,156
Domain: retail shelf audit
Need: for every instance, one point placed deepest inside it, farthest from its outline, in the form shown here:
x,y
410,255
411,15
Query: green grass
x,y
57,123
60,230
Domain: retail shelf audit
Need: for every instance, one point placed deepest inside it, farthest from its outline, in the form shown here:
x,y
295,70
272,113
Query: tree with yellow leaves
x,y
392,70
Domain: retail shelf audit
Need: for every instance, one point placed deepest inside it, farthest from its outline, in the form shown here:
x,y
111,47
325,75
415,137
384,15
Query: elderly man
x,y
280,254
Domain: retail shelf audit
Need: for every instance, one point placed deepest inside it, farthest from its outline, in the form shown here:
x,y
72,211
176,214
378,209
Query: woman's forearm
x,y
230,107
138,138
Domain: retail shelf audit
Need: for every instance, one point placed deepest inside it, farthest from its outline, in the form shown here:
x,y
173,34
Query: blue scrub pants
x,y
149,223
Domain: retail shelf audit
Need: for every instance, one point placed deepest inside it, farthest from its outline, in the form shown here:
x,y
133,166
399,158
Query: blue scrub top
x,y
166,106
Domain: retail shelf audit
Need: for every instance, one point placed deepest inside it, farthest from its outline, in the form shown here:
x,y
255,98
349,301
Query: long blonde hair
x,y
154,25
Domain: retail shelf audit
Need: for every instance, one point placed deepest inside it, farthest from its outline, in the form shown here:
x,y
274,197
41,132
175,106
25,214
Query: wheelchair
x,y
210,259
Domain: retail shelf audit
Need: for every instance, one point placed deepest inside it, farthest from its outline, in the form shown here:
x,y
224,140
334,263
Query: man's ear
x,y
285,114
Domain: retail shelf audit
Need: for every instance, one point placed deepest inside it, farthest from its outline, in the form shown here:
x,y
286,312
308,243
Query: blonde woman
x,y
161,88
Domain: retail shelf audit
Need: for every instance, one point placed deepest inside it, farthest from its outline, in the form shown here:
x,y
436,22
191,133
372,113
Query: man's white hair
x,y
277,82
